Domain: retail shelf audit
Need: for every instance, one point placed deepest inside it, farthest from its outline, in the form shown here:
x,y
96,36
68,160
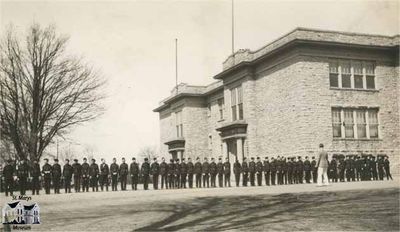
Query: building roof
x,y
29,207
12,205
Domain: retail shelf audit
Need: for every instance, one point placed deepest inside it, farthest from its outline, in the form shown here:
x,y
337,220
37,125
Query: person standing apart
x,y
322,165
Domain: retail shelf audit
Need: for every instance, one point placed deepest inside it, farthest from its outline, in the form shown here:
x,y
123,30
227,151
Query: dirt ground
x,y
342,206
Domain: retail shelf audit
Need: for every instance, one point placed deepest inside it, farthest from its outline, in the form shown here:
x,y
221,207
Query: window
x,y
358,75
336,123
333,74
221,105
348,123
370,75
237,103
346,74
351,74
179,124
364,121
373,123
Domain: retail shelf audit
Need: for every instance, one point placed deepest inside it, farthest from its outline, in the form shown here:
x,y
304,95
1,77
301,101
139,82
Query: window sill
x,y
353,89
221,120
352,139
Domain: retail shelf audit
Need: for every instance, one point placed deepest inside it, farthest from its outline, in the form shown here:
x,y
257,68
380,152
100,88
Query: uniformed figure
x,y
206,173
47,172
307,170
284,171
352,169
278,165
267,171
77,175
227,172
171,174
67,174
134,171
198,167
367,168
300,169
381,165
56,171
220,171
183,173
177,173
237,169
35,176
94,173
359,167
252,171
259,169
85,175
386,163
190,170
374,173
164,173
333,170
272,167
104,172
8,175
245,172
145,170
314,169
342,169
155,171
348,168
123,174
213,173
114,170
289,168
22,174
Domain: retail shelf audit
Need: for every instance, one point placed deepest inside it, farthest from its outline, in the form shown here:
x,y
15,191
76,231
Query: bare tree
x,y
7,150
149,152
43,90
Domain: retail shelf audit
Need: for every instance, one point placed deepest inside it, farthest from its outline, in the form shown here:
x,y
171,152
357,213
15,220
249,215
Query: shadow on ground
x,y
348,210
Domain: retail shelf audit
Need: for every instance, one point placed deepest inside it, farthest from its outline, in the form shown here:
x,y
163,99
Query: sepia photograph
x,y
199,115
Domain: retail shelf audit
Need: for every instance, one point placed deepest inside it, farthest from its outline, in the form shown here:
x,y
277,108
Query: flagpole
x,y
176,65
233,29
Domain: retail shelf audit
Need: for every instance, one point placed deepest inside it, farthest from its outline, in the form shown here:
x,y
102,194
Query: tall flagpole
x,y
176,65
233,29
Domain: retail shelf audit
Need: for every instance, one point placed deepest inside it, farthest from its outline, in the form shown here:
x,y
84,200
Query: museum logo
x,y
21,212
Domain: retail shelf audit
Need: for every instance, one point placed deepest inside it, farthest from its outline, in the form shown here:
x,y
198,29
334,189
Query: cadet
x,y
77,175
381,165
114,170
85,175
252,170
183,173
227,171
307,170
123,174
289,167
237,169
284,171
220,171
177,173
35,175
206,172
190,170
47,171
300,169
245,171
94,172
359,167
341,167
67,174
314,169
22,174
56,169
171,174
278,165
8,173
352,168
259,169
373,169
213,172
367,169
164,173
155,171
386,164
134,171
272,167
348,168
145,170
267,171
104,172
198,172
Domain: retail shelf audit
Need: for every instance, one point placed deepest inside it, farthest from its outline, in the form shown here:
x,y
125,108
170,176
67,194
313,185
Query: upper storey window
x,y
351,74
237,103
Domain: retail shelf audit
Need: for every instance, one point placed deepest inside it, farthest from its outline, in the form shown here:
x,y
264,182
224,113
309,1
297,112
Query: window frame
x,y
237,103
179,124
354,70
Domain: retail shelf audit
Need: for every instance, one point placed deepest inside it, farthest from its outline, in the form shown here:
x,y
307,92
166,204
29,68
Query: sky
x,y
132,43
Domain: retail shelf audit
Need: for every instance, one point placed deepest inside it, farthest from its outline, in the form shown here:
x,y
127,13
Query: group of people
x,y
182,173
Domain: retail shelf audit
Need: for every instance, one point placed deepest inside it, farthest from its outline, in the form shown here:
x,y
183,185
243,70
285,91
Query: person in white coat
x,y
322,165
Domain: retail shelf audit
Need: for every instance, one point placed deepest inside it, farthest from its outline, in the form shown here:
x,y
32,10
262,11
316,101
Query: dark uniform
x,y
56,171
206,173
183,174
85,176
227,172
177,174
103,178
307,170
171,174
333,170
213,173
123,174
114,170
134,171
94,173
386,165
220,171
347,164
381,165
67,174
284,171
164,174
190,170
314,169
359,168
77,175
272,167
374,173
155,171
300,170
198,167
237,169
35,174
23,173
267,171
259,169
145,170
252,170
278,165
353,167
342,168
289,167
367,169
8,174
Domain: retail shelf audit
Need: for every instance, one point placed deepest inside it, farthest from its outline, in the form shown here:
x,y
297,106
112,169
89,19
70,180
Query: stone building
x,y
305,88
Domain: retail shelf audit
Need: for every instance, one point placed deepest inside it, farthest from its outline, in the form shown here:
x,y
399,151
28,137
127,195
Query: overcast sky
x,y
132,43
